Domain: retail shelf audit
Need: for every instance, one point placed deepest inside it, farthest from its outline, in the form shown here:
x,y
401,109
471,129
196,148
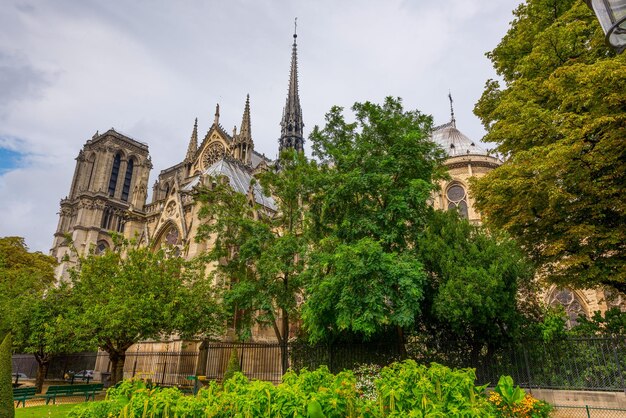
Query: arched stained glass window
x,y
101,247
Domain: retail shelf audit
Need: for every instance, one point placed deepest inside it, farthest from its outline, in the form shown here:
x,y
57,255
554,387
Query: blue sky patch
x,y
9,160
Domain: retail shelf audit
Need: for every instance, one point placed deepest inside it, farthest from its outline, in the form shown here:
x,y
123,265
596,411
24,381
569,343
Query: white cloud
x,y
149,68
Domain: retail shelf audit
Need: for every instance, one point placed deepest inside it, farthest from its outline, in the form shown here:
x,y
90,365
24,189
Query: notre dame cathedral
x,y
110,184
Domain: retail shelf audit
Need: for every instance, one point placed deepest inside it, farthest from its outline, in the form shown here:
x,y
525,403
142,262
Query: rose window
x,y
213,153
457,199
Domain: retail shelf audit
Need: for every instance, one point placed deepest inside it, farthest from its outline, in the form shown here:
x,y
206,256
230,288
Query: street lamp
x,y
612,17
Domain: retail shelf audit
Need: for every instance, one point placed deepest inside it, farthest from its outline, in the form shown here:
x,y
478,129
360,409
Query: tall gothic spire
x,y
242,143
193,143
291,124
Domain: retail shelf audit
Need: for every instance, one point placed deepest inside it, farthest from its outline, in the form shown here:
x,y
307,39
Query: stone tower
x,y
291,125
108,194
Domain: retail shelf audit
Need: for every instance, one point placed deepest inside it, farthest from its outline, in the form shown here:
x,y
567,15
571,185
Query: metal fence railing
x,y
577,364
567,411
164,368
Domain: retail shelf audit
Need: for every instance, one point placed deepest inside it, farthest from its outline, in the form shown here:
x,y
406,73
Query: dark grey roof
x,y
240,178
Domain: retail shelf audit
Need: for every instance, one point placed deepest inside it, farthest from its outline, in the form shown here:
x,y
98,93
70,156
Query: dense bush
x,y
6,388
402,390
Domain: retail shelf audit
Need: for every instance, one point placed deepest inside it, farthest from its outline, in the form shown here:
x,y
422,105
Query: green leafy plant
x,y
510,394
513,402
233,365
403,390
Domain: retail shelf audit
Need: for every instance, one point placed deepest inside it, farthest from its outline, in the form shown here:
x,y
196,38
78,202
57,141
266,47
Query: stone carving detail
x,y
170,209
213,153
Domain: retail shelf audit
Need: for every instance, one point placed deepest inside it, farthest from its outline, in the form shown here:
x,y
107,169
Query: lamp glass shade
x,y
612,17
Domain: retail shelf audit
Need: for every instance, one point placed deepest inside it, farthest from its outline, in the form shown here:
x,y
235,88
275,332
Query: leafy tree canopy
x,y
40,327
260,252
134,293
371,199
474,279
560,119
22,274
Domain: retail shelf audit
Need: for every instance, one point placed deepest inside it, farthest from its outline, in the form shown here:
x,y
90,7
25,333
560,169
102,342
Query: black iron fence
x,y
585,363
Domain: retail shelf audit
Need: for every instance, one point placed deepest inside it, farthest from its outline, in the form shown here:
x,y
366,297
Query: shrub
x,y
409,389
6,388
403,390
233,365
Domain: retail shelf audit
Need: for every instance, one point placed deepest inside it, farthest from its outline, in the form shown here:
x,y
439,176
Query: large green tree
x,y
559,118
40,327
371,201
475,278
22,274
134,293
260,251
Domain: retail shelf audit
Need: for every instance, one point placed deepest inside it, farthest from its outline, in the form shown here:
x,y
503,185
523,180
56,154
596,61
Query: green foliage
x,y
260,253
135,293
612,324
512,401
509,393
361,288
41,327
552,327
408,389
474,279
6,387
371,200
560,121
22,275
233,365
402,390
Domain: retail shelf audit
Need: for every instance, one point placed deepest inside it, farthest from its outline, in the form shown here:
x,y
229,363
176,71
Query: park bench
x,y
89,391
21,395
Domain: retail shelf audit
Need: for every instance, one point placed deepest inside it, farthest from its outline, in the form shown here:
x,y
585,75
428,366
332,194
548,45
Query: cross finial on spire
x,y
295,28
451,110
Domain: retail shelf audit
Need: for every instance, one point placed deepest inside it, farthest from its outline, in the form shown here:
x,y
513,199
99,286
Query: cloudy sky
x,y
148,68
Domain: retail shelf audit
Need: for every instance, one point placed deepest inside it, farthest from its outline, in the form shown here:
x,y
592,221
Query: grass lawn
x,y
47,411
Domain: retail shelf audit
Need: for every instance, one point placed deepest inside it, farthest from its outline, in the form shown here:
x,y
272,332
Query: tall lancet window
x,y
127,179
115,170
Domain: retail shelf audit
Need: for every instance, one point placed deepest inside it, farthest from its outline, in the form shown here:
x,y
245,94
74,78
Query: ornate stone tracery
x,y
213,153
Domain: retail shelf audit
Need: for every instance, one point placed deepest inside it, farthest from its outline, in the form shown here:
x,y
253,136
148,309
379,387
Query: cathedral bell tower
x,y
291,125
108,194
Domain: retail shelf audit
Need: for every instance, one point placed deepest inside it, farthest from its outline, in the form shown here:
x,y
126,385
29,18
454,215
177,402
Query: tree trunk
x,y
203,358
117,359
400,342
284,353
42,371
